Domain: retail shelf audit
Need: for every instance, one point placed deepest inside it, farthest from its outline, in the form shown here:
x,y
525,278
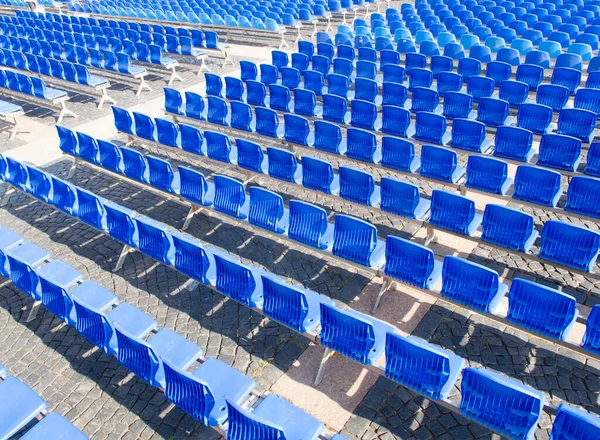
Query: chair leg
x,y
194,209
297,37
15,129
430,235
126,249
203,66
34,310
174,76
386,284
191,285
283,42
73,167
64,112
326,356
314,29
143,85
105,98
328,28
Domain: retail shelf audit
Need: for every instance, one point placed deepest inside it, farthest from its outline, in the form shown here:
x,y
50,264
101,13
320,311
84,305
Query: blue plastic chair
x,y
480,53
488,174
457,105
420,366
514,143
469,135
515,92
505,405
578,123
411,263
507,227
480,87
430,127
358,186
536,118
440,163
537,185
441,64
541,309
582,196
493,112
454,212
356,240
559,151
571,421
237,281
571,245
272,419
553,96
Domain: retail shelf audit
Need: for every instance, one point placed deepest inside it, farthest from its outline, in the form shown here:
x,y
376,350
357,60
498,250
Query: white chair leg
x,y
126,249
14,130
384,287
326,355
194,209
73,167
64,112
34,310
143,85
105,98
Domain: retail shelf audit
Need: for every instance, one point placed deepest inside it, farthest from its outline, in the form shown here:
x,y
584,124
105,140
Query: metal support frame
x,y
283,42
203,65
126,250
15,124
143,86
194,209
328,353
105,98
35,307
64,111
387,283
227,59
174,74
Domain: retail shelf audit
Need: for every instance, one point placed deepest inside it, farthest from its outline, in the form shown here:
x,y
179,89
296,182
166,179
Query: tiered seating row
x,y
266,210
33,89
82,28
483,174
19,404
486,397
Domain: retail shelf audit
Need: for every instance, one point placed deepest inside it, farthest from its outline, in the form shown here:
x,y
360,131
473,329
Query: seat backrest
x,y
537,185
173,101
218,146
582,196
569,244
356,185
305,102
234,279
552,95
421,366
138,356
230,195
508,406
534,117
242,424
468,135
317,174
166,132
92,323
452,211
144,126
214,84
354,239
480,87
407,261
486,174
154,240
559,151
470,283
346,333
193,186
266,208
507,227
194,105
571,421
285,303
308,223
542,309
160,173
578,123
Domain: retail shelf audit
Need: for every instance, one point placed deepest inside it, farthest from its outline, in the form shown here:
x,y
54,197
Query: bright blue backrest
x,y
354,239
284,303
569,244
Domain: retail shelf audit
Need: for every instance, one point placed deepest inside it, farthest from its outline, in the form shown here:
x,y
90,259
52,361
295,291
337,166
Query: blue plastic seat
x,y
454,212
430,127
256,93
515,92
468,41
413,60
566,76
308,224
588,99
249,70
472,284
488,174
279,58
514,143
353,334
320,64
440,163
582,196
507,227
537,185
356,240
194,106
552,95
559,151
480,87
19,406
535,118
420,78
569,244
358,186
505,405
493,112
457,105
590,39
499,71
305,103
569,60
237,281
272,419
541,309
234,88
481,53
571,421
421,366
578,123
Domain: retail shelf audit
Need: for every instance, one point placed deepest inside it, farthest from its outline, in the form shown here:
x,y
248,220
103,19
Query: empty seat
x,y
507,227
578,123
472,284
402,198
509,56
566,76
552,95
424,99
571,422
559,151
538,58
449,82
535,118
530,74
420,366
503,404
420,78
458,105
493,112
267,210
541,309
469,135
588,99
454,212
356,240
358,186
430,127
480,87
468,67
488,174
440,163
583,196
272,418
537,185
399,154
571,245
515,92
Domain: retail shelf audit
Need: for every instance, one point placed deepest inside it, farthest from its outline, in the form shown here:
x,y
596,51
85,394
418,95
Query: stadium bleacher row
x,y
487,397
266,210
